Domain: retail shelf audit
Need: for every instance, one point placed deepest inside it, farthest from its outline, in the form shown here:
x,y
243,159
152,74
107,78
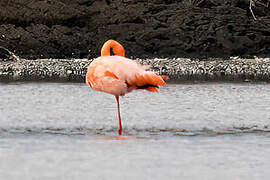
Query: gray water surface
x,y
188,131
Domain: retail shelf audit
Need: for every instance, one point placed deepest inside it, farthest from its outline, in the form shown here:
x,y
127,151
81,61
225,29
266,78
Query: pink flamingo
x,y
118,75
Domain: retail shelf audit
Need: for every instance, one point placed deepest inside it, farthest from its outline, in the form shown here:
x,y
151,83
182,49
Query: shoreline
x,y
178,70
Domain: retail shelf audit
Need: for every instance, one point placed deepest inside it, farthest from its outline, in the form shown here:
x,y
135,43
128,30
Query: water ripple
x,y
131,131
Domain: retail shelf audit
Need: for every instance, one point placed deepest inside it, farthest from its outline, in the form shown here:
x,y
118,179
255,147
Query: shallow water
x,y
188,131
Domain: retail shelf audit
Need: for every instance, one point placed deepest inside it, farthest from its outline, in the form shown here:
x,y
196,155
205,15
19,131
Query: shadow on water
x,y
118,137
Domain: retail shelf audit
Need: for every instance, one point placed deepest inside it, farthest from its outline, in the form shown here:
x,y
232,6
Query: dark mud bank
x,y
147,28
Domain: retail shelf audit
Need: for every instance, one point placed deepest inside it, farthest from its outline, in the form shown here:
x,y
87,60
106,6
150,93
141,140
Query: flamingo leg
x,y
119,117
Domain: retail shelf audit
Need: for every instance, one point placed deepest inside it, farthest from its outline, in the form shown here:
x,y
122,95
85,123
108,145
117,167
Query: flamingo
x,y
118,75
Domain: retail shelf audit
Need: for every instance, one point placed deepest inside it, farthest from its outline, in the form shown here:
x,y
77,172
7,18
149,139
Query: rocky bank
x,y
177,69
147,28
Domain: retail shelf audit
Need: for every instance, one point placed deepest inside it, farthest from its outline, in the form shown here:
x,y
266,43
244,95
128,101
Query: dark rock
x,y
158,28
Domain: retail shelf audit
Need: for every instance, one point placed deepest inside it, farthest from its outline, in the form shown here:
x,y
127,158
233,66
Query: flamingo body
x,y
118,75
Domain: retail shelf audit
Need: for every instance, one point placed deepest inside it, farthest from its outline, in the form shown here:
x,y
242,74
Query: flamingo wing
x,y
101,77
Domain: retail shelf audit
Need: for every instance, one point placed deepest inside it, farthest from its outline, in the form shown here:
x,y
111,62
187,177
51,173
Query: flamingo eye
x,y
111,52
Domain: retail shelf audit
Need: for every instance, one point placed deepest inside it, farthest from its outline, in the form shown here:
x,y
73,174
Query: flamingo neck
x,y
113,45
